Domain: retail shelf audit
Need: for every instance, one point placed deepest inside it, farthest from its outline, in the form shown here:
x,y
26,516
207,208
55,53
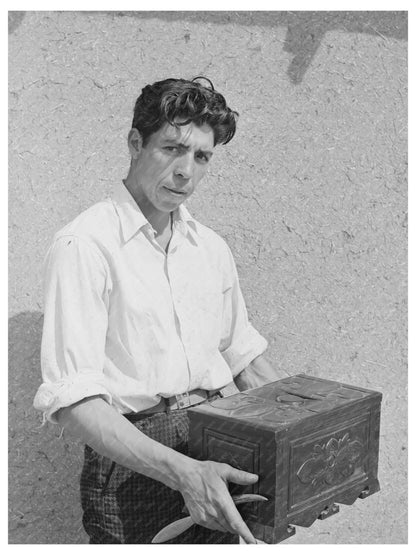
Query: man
x,y
144,317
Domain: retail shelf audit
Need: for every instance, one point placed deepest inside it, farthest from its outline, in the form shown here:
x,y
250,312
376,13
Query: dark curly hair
x,y
191,101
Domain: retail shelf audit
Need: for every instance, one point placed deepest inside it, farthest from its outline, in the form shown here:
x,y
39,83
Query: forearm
x,y
259,372
99,425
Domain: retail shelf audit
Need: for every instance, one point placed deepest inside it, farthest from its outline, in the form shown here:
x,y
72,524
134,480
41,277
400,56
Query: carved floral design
x,y
331,463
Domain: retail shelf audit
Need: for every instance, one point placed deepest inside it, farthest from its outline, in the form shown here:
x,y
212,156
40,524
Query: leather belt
x,y
177,402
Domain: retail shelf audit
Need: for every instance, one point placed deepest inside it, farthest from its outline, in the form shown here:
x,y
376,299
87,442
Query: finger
x,y
240,476
217,524
222,521
220,526
234,521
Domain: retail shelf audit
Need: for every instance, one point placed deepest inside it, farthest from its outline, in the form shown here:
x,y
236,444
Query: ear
x,y
135,143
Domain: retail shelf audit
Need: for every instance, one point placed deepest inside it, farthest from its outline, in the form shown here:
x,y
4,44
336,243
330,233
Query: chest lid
x,y
286,402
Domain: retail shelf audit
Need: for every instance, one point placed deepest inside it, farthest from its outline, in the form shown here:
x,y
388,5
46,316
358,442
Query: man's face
x,y
172,163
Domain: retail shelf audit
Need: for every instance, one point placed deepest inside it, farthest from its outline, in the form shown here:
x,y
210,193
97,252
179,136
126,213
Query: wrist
x,y
181,467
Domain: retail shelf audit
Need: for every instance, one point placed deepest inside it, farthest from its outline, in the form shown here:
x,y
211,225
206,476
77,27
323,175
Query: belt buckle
x,y
183,400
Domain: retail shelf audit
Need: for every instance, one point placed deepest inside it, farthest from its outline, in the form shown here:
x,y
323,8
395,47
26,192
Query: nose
x,y
184,166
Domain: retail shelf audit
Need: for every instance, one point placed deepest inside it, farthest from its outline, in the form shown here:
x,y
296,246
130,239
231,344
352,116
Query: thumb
x,y
240,476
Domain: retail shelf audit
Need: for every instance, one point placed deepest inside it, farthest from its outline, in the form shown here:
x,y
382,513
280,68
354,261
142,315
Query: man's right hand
x,y
204,489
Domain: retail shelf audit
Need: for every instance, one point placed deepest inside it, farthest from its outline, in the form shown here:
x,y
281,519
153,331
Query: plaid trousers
x,y
122,506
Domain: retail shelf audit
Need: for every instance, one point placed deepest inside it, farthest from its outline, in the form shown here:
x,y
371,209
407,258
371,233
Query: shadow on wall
x,y
305,30
15,19
43,467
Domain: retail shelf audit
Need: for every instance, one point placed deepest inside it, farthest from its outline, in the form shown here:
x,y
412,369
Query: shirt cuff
x,y
249,345
53,396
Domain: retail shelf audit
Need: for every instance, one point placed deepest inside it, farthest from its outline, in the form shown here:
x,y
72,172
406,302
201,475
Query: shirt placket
x,y
174,280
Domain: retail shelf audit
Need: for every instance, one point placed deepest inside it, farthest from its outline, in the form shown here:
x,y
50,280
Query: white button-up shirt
x,y
130,322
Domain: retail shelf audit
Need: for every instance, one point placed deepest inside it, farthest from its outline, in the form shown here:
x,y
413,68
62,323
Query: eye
x,y
202,157
171,148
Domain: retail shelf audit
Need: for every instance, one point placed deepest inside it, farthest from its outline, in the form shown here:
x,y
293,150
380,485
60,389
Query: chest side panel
x,y
332,459
251,449
327,460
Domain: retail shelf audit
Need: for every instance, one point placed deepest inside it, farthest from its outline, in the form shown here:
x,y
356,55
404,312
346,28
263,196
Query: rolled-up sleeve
x,y
240,341
76,290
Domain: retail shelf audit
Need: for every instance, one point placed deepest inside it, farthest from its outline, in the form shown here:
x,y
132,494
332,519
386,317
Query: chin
x,y
169,206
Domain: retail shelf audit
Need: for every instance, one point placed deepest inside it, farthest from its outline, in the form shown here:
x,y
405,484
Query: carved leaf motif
x,y
312,470
236,401
251,411
332,462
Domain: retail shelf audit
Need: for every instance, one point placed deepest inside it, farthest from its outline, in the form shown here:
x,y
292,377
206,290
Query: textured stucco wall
x,y
310,195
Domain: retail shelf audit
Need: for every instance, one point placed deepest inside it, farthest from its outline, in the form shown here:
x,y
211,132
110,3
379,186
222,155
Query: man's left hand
x,y
259,372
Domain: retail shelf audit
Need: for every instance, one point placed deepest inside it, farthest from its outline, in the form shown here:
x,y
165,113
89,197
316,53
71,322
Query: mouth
x,y
175,192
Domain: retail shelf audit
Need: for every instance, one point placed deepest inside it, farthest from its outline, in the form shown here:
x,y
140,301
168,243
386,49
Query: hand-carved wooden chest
x,y
313,443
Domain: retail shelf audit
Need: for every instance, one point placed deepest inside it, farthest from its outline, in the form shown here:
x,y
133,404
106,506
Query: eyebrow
x,y
186,147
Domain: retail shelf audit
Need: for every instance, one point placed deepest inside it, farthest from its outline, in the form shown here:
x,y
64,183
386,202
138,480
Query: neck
x,y
160,221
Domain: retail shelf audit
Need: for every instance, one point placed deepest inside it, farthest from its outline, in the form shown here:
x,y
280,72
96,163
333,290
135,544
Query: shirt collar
x,y
182,215
133,220
130,215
